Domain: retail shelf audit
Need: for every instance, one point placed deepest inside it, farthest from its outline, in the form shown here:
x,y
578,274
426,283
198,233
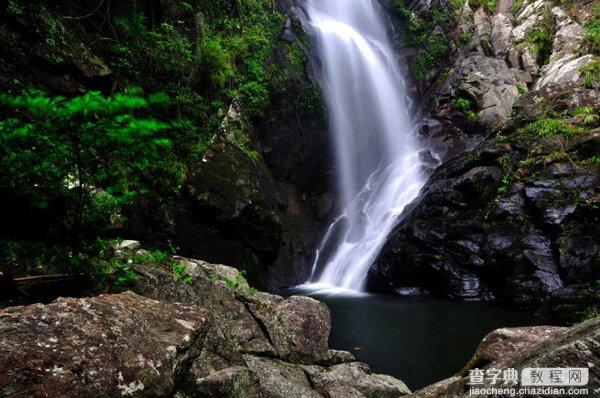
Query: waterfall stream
x,y
377,155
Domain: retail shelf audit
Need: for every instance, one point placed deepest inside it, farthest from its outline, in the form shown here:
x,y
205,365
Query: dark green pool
x,y
420,339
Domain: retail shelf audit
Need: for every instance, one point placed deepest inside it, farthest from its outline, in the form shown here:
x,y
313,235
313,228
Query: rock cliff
x,y
515,219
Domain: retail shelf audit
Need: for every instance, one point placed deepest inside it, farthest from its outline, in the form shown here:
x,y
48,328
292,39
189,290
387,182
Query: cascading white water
x,y
373,136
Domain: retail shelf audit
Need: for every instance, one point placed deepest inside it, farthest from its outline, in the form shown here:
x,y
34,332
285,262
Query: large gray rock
x,y
528,347
109,345
358,377
505,342
502,35
569,36
200,331
564,70
529,18
490,83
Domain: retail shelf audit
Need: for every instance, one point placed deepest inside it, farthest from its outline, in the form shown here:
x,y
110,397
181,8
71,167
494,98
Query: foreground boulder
x,y
109,345
191,329
528,347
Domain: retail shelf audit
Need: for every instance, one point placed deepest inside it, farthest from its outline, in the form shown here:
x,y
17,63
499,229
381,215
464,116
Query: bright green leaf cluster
x,y
551,128
90,153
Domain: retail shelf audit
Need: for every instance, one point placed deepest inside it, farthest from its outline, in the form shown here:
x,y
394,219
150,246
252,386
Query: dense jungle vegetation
x,y
155,82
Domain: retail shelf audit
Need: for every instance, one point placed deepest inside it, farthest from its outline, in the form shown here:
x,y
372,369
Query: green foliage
x,y
464,38
541,39
461,104
311,101
587,114
541,45
255,96
91,153
516,7
152,257
551,128
179,270
163,52
240,284
27,257
465,106
401,8
508,177
489,5
110,268
215,64
594,160
591,74
15,8
457,4
119,274
592,31
591,312
419,32
436,48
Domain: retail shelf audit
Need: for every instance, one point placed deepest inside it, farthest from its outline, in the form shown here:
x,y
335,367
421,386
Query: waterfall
x,y
377,156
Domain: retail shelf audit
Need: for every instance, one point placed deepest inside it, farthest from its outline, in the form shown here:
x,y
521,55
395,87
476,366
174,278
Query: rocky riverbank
x,y
184,328
187,328
527,347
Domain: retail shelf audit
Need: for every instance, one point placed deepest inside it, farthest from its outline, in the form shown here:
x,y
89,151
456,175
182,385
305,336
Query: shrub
x,y
464,38
587,115
516,7
119,274
551,128
435,48
591,74
179,271
489,5
465,106
461,104
255,98
541,40
215,64
163,52
592,32
82,158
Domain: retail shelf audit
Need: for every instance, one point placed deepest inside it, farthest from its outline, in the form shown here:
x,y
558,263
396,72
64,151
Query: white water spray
x,y
379,171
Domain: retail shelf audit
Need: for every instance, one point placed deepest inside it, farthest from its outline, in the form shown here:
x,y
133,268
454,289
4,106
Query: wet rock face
x,y
210,336
509,214
443,139
499,223
528,347
237,194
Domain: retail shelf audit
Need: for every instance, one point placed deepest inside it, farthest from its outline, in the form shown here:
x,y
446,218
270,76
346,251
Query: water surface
x,y
419,340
